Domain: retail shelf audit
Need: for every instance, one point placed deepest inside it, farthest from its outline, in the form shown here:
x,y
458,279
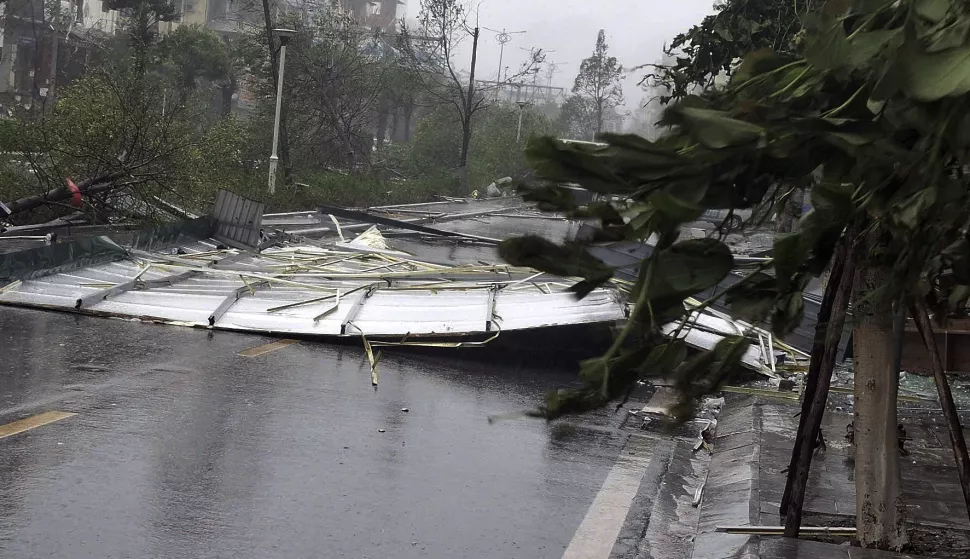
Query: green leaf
x,y
756,63
827,47
716,129
788,313
949,36
559,162
912,212
754,299
675,208
690,266
570,260
933,76
959,295
866,46
665,358
550,197
932,10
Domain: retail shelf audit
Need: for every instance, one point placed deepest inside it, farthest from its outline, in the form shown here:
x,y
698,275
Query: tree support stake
x,y
922,318
811,422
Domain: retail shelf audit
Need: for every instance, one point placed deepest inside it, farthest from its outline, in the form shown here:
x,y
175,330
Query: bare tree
x,y
430,54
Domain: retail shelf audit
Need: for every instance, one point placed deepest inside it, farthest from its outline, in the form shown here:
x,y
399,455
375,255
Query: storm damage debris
x,y
358,288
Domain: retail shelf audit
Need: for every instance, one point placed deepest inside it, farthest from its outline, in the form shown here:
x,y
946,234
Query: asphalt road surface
x,y
127,439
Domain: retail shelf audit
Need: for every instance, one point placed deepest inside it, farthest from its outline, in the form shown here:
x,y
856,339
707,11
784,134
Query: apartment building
x,y
42,39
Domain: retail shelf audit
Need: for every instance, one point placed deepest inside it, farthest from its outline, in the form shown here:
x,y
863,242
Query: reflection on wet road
x,y
182,447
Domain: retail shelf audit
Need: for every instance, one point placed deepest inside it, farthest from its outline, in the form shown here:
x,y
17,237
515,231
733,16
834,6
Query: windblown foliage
x,y
877,102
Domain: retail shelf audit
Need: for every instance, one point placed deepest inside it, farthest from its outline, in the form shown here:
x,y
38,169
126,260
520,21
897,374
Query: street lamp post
x,y
522,105
274,159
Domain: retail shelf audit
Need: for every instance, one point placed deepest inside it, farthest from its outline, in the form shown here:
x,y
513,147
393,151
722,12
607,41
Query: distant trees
x,y
577,118
429,54
599,82
493,155
150,114
195,53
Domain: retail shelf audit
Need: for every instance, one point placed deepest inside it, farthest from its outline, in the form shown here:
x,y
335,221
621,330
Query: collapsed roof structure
x,y
429,276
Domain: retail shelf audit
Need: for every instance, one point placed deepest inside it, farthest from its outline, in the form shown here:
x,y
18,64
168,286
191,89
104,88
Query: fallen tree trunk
x,y
957,441
812,421
87,187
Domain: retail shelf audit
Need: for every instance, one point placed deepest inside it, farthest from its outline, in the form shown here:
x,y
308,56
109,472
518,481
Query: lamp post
x,y
522,105
274,159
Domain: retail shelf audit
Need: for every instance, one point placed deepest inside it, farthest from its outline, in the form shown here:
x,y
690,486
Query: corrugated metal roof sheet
x,y
312,290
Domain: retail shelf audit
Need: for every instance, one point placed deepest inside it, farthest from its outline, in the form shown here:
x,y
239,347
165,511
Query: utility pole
x,y
552,71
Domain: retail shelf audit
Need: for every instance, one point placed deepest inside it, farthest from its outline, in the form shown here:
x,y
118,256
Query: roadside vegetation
x,y
862,102
176,112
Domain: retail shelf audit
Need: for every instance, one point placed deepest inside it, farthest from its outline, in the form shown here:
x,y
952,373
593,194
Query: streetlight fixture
x,y
284,37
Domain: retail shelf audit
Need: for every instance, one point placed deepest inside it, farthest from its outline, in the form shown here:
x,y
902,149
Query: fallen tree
x,y
87,187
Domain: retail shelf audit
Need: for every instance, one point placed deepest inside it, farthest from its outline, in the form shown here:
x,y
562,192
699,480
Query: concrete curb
x,y
731,493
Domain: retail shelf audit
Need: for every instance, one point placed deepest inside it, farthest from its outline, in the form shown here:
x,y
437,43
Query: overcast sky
x,y
636,31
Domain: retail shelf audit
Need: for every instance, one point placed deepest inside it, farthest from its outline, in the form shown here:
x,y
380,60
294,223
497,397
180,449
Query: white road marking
x,y
596,535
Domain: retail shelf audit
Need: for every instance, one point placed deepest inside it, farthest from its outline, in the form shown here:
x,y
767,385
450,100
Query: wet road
x,y
181,447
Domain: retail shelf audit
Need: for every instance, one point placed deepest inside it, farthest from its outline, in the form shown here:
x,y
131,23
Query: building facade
x,y
44,39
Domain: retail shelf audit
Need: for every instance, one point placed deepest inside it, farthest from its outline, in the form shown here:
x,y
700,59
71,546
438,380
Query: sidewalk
x,y
745,485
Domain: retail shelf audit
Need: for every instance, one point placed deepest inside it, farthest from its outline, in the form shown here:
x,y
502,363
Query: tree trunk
x,y
383,124
879,509
599,119
342,135
87,187
51,98
408,116
227,90
790,212
466,124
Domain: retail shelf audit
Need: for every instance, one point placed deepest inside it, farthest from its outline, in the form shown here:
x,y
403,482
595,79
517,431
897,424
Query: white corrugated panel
x,y
533,308
423,312
455,307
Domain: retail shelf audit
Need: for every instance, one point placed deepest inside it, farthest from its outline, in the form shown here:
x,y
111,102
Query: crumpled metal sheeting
x,y
380,295
704,330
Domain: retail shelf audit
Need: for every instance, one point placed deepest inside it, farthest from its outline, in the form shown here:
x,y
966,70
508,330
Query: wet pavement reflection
x,y
183,448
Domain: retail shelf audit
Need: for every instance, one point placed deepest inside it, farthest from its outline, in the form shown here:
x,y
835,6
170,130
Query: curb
x,y
731,495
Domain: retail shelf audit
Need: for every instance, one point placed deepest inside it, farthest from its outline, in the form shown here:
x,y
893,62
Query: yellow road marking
x,y
17,427
260,350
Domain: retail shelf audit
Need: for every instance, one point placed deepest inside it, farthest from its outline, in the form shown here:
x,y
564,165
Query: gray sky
x,y
636,32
